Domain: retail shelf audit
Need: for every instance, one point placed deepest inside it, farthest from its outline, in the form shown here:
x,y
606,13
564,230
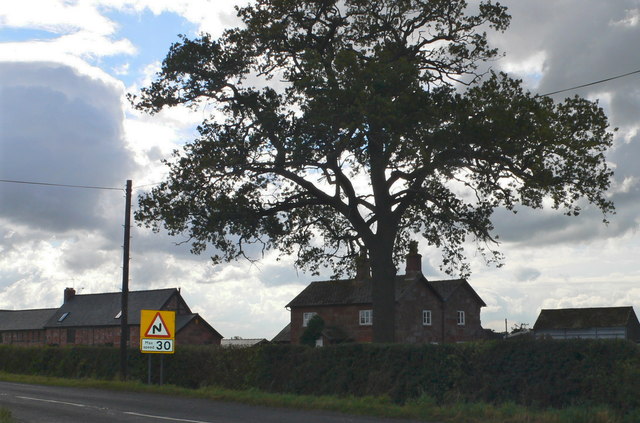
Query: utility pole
x,y
124,317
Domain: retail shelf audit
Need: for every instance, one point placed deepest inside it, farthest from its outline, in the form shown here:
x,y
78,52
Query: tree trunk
x,y
383,273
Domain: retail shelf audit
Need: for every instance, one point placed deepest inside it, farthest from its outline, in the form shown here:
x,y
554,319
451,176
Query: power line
x,y
59,185
591,83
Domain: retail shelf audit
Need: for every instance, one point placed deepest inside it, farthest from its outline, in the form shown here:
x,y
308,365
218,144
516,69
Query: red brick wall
x,y
23,337
105,335
197,333
409,327
346,318
462,300
177,304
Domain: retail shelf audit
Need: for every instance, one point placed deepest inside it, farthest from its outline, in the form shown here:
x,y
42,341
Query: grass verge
x,y
5,416
424,408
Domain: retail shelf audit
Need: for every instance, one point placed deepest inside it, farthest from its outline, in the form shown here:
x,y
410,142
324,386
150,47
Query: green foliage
x,y
355,147
6,416
364,88
314,329
571,375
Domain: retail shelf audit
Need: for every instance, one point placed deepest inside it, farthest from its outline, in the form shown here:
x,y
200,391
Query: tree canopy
x,y
341,126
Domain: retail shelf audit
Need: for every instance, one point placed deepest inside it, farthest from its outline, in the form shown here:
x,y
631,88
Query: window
x,y
64,316
426,317
460,318
306,317
366,317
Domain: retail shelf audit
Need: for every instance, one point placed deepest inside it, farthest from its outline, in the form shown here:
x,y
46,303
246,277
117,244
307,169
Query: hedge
x,y
529,372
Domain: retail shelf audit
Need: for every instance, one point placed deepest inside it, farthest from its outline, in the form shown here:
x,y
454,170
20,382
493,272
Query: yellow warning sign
x,y
157,331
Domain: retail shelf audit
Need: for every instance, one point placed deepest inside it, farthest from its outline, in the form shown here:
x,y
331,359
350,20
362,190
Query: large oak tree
x,y
345,125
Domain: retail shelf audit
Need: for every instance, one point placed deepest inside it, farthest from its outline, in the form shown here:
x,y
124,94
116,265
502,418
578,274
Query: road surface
x,y
35,404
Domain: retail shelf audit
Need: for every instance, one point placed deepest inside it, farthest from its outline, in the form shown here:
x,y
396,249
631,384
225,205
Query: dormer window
x,y
64,316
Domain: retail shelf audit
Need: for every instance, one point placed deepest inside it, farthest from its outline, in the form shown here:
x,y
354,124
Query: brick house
x,y
94,319
24,327
426,311
588,323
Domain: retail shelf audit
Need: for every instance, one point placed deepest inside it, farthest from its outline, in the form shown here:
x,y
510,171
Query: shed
x,y
588,323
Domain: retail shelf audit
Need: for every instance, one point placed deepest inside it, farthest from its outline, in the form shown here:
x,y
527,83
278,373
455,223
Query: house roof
x,y
580,318
340,292
284,336
102,309
25,319
447,288
351,291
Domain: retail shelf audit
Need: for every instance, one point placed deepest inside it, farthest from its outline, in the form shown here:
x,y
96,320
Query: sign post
x,y
157,334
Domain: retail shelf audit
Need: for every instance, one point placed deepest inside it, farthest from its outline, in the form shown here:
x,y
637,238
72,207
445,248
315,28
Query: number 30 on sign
x,y
156,345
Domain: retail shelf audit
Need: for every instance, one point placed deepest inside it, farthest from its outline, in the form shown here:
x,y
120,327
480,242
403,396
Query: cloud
x,y
52,133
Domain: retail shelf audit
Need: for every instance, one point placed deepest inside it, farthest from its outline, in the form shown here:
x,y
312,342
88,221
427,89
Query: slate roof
x,y
25,319
446,289
102,309
582,318
284,336
351,291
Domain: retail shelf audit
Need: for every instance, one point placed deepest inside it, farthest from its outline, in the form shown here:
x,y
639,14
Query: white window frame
x,y
426,318
365,317
461,318
306,317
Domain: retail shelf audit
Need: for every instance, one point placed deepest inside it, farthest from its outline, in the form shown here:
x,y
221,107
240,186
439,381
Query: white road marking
x,y
124,412
52,401
163,418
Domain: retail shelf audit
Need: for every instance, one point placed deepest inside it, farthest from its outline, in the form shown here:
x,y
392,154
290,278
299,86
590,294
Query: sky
x,y
66,67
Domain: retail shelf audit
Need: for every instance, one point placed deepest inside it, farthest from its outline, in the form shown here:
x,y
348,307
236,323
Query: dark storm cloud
x,y
581,41
58,126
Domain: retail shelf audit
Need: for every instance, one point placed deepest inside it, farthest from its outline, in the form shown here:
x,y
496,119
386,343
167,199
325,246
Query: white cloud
x,y
57,16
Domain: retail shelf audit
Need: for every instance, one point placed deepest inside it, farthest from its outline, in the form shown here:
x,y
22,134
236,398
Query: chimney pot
x,y
363,266
414,260
69,293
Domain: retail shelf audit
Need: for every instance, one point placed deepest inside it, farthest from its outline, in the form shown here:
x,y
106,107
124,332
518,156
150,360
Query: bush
x,y
540,373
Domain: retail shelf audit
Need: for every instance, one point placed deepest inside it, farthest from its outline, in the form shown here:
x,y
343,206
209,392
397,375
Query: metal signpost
x,y
157,335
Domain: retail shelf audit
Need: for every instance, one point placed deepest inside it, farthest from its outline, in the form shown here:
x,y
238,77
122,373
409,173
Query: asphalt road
x,y
35,404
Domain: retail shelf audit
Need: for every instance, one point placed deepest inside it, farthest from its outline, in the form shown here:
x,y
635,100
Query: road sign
x,y
157,331
163,346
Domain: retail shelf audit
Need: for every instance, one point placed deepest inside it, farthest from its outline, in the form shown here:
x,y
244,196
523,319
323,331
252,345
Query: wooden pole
x,y
124,318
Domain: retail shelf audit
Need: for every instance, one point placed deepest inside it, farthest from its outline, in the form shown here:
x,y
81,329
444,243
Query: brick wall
x,y
197,333
104,335
177,304
346,318
461,300
409,324
23,337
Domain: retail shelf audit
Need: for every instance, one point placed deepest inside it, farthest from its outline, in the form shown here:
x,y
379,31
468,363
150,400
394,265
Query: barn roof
x,y
581,318
104,309
25,319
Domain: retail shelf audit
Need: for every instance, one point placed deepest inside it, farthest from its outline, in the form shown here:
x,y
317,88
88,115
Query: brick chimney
x,y
69,293
414,260
363,266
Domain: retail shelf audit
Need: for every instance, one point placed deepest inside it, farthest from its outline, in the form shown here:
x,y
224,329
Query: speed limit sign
x,y
157,331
